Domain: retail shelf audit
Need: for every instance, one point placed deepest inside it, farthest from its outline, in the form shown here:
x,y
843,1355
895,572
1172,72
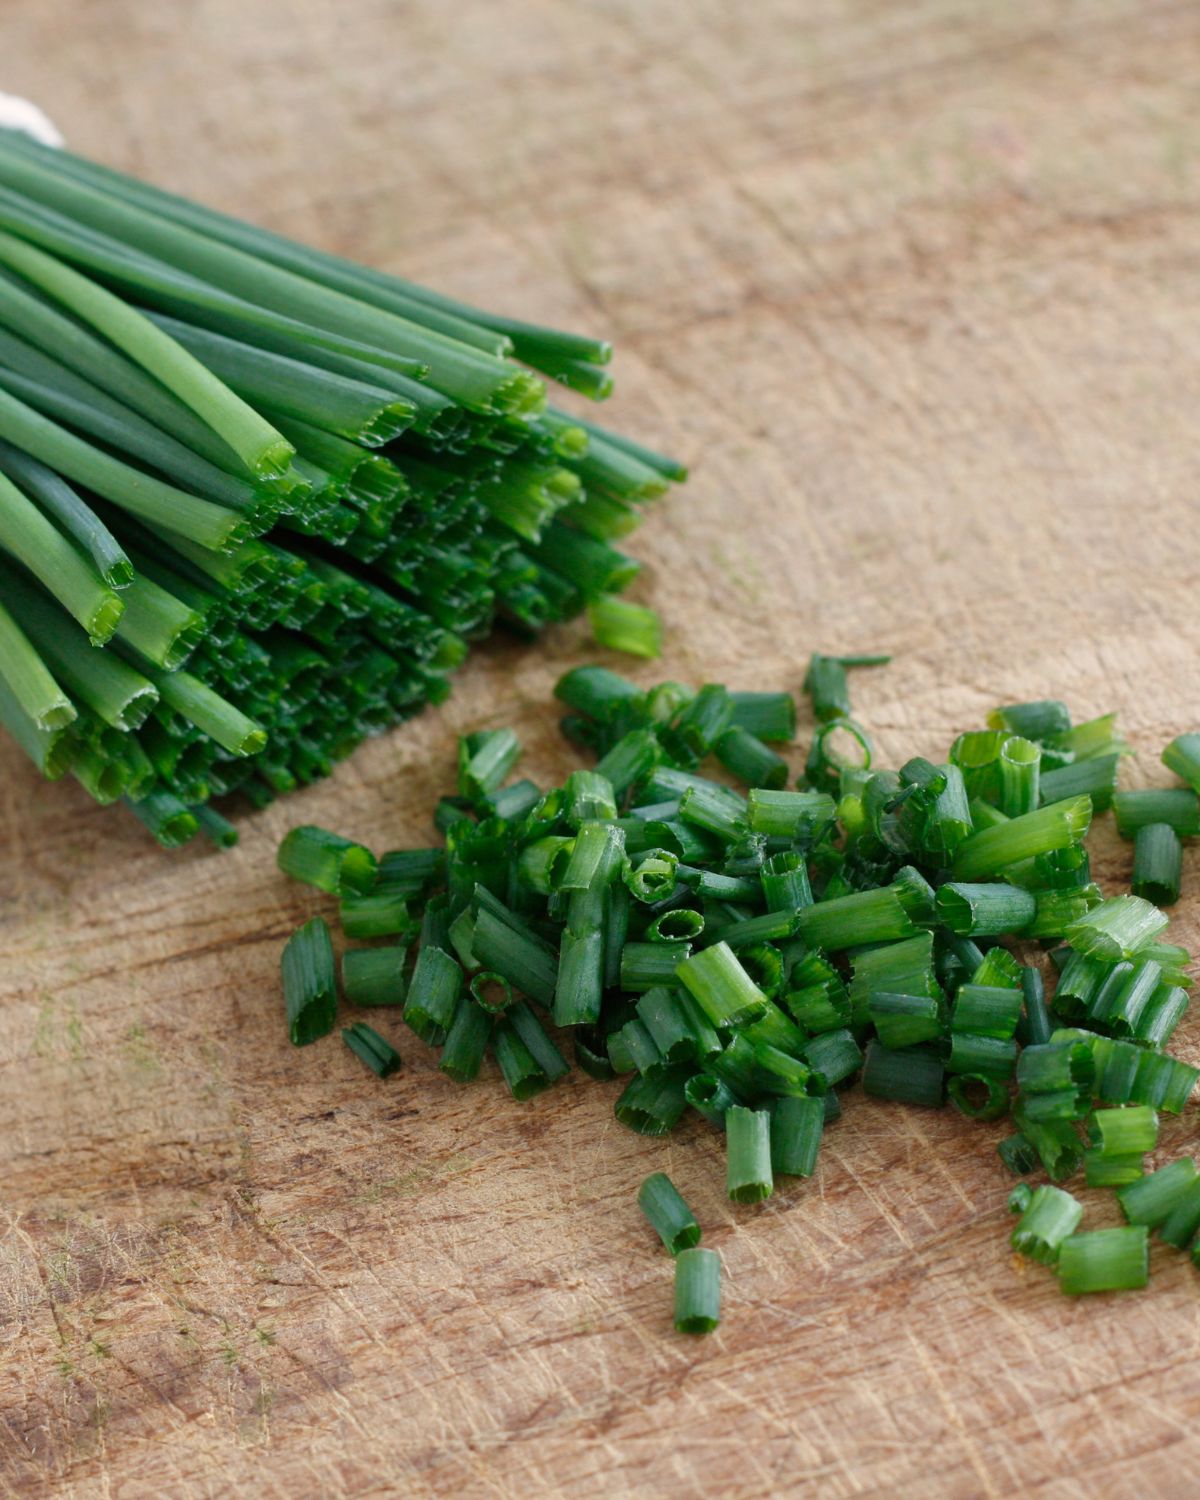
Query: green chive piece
x,y
876,916
675,1024
1020,765
785,884
309,986
697,1291
1153,1198
680,924
1157,864
993,1057
1035,1029
590,799
791,815
1101,1171
1096,779
1018,1154
1036,721
1130,1131
720,985
219,829
366,1043
623,626
985,910
1116,928
767,716
652,1104
485,760
1182,756
908,1076
670,1217
646,965
797,1124
523,959
1020,1198
710,1096
1162,1014
631,759
543,1051
326,860
754,763
652,877
978,1096
1054,827
433,994
1051,1218
1104,1260
377,913
904,1020
748,1154
466,1041
1052,1067
838,745
518,1067
374,976
595,691
1180,1226
827,686
491,992
987,1010
1178,807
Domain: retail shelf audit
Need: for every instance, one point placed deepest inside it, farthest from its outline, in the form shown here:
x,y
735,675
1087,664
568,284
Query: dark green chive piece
x,y
670,1217
909,1076
796,1127
366,1043
466,1041
1105,1260
374,976
1157,864
748,1154
327,860
767,716
1182,756
985,910
491,992
750,760
1152,1199
720,986
652,1104
697,1291
309,987
433,993
1052,1217
1177,807
977,1096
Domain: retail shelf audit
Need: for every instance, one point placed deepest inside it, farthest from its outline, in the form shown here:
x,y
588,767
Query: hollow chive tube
x,y
596,857
1017,1153
765,966
1019,763
1153,1198
309,987
485,759
748,1176
767,716
491,992
713,812
776,1029
1020,1198
1162,1014
1178,807
466,1040
374,976
514,951
622,625
986,1010
1104,1260
833,1056
652,1104
1100,1171
366,1043
629,760
1035,1028
989,850
910,1076
1079,983
697,1291
914,893
433,993
1048,1067
517,1065
1052,1217
777,1073
784,814
590,799
702,721
645,965
1038,720
978,1096
904,1020
796,1127
710,1096
679,925
652,876
719,985
838,746
542,864
1180,1226
595,691
991,1056
670,1217
750,760
985,910
591,1053
326,860
769,927
828,686
1117,928
876,916
1132,1130
1096,778
374,914
1182,756
1157,864
676,1026
784,879
742,890
1125,1008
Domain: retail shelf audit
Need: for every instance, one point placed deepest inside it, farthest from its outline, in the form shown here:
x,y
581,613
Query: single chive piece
x,y
781,814
988,851
309,987
366,1043
670,1217
645,965
374,976
375,913
433,993
910,1076
767,716
1162,1015
162,813
697,1291
1019,763
1020,1198
768,927
986,1010
1152,1199
680,924
533,1034
748,1154
1018,1154
491,992
876,916
595,691
652,1104
630,760
904,968
985,910
1055,1141
1116,928
834,1056
1180,1226
1104,1260
1096,779
590,799
1130,1131
1157,864
703,719
1050,1067
579,983
326,860
511,803
485,760
676,1026
591,1053
542,864
977,755
1036,721
596,857
1178,807
1058,909
977,1096
524,960
1122,1010
994,1057
797,1124
750,760
466,1041
652,877
828,687
713,811
219,829
1037,1026
1101,1171
1182,756
904,1020
623,626
518,1067
784,880
838,745
1051,1218
710,1096
915,894
998,970
719,984
1079,983
779,1073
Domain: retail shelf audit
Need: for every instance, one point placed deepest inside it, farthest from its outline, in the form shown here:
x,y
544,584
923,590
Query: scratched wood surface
x,y
915,288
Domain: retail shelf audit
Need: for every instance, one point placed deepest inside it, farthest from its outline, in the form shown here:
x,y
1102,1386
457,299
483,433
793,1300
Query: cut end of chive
x,y
101,625
624,626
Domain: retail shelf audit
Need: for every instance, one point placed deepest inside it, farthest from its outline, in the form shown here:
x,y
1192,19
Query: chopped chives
x,y
670,1217
590,799
908,1076
680,924
1180,1226
1036,1020
985,910
838,745
631,759
1020,1198
326,860
1018,1154
522,958
1178,807
622,625
1096,779
1051,1218
1101,1170
375,913
748,1154
994,1057
767,716
309,987
750,760
366,1043
433,994
1163,1012
797,1123
720,985
978,1096
484,760
1036,721
876,916
1055,1141
374,976
1152,1199
1157,864
466,1040
904,1020
833,1055
1182,756
1054,827
697,1291
787,814
1019,763
1104,1260
652,1104
986,1010
491,992
1116,928
517,1065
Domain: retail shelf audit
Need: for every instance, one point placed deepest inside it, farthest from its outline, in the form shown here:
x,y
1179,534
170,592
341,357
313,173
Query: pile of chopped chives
x,y
748,953
256,500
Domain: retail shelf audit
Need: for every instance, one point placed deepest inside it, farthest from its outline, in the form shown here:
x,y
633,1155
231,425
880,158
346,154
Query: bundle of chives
x,y
307,482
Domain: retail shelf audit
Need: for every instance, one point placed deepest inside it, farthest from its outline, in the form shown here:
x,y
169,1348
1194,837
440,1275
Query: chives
x,y
796,1127
1055,1142
785,885
1182,756
909,1076
466,1040
1178,807
697,1291
517,954
1116,928
678,1029
787,814
309,988
1037,1026
710,1096
1053,827
624,626
987,1010
1020,764
670,1217
985,910
713,812
993,1057
838,745
767,716
1050,1067
491,992
1101,1170
652,1105
366,1043
653,877
1181,1224
1020,1198
1157,864
748,1154
1162,1014
326,860
750,760
834,1055
645,965
720,986
629,760
1037,721
485,760
433,994
1152,1199
1051,1218
517,1065
1104,1260
374,976
1096,779
904,1020
1018,1154
863,917
977,1096
374,914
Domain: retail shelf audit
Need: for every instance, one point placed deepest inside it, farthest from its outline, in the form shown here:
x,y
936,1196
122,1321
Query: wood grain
x,y
915,287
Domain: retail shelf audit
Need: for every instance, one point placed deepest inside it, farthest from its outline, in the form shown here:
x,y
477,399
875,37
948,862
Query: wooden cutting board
x,y
914,287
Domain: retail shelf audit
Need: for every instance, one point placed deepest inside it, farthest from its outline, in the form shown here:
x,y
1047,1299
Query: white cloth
x,y
19,114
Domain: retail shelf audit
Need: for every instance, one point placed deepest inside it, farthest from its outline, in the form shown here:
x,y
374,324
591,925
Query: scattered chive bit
x,y
378,1054
309,987
746,952
697,1291
261,498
